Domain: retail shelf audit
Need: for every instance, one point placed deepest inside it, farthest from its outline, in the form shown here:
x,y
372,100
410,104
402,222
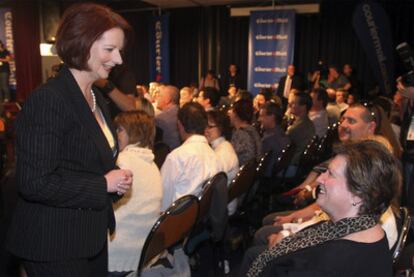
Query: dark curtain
x,y
208,38
27,51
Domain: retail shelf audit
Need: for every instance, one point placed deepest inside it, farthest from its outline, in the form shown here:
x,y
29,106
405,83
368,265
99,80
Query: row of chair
x,y
189,215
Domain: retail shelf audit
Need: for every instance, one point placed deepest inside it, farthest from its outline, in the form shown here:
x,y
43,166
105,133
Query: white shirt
x,y
137,211
186,168
228,163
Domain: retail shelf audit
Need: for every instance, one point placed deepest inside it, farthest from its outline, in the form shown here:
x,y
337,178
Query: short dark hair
x,y
193,118
304,99
212,94
275,110
243,108
372,173
222,121
139,126
372,113
322,95
81,25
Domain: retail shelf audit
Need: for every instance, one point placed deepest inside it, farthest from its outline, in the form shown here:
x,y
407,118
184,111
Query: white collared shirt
x,y
186,168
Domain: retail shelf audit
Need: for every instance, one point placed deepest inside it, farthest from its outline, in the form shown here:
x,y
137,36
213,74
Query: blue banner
x,y
6,35
159,48
372,27
271,47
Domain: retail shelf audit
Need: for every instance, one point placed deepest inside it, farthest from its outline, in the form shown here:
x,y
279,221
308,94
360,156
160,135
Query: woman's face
x,y
334,197
105,53
212,131
123,138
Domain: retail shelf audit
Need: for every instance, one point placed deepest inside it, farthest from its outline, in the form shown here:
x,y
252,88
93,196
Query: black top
x,y
336,258
63,209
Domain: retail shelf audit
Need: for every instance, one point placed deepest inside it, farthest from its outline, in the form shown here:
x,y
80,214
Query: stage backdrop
x,y
159,48
271,47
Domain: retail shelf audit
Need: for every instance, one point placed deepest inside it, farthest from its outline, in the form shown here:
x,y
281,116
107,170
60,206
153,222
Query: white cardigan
x,y
137,211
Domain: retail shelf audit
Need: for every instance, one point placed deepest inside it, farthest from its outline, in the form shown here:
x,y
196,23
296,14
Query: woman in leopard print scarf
x,y
357,187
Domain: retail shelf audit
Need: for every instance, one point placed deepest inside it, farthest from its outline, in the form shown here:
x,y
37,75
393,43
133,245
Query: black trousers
x,y
83,267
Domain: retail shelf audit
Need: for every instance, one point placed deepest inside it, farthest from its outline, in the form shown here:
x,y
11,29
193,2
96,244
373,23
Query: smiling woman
x,y
353,192
66,153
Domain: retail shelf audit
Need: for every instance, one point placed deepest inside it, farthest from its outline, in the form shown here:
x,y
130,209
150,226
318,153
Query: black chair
x,y
263,164
212,218
403,227
243,181
283,162
327,141
161,150
307,161
173,226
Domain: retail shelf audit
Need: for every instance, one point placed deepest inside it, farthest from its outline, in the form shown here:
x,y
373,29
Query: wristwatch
x,y
109,86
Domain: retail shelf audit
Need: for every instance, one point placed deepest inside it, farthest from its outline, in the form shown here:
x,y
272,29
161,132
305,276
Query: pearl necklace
x,y
93,101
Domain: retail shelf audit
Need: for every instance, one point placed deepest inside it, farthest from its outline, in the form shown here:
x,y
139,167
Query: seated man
x,y
167,102
188,166
208,98
274,139
302,130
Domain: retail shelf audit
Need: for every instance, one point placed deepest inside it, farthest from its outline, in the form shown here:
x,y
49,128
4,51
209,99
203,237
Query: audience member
x,y
167,102
209,80
218,133
245,139
188,166
186,96
274,139
140,207
354,202
208,98
302,130
66,149
227,101
341,99
336,80
288,82
233,78
318,113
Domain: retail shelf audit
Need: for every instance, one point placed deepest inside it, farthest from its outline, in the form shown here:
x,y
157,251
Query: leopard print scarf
x,y
312,236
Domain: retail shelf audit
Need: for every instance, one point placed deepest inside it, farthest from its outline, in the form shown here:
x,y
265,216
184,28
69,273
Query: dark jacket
x,y
63,210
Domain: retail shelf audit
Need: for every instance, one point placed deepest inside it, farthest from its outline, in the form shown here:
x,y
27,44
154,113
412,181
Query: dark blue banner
x,y
372,27
6,35
159,48
271,46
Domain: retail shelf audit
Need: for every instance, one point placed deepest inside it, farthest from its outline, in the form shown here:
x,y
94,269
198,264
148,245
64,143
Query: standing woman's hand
x,y
119,181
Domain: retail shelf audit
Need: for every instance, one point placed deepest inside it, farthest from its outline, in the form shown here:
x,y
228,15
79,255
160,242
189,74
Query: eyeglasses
x,y
211,126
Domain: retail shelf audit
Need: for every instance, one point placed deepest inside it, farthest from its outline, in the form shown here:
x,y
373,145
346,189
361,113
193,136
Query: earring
x,y
354,204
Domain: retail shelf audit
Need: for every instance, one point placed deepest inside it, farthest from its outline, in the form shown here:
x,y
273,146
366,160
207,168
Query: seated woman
x,y
351,243
218,130
139,209
245,139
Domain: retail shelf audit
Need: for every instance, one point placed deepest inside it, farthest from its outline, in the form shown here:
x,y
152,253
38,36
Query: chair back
x,y
173,226
161,150
308,158
403,227
264,162
284,159
244,179
327,141
206,195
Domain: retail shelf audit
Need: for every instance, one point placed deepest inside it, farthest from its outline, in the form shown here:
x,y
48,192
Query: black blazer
x,y
297,83
63,210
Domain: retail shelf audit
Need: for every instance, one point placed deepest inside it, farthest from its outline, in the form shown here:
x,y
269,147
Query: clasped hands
x,y
119,181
